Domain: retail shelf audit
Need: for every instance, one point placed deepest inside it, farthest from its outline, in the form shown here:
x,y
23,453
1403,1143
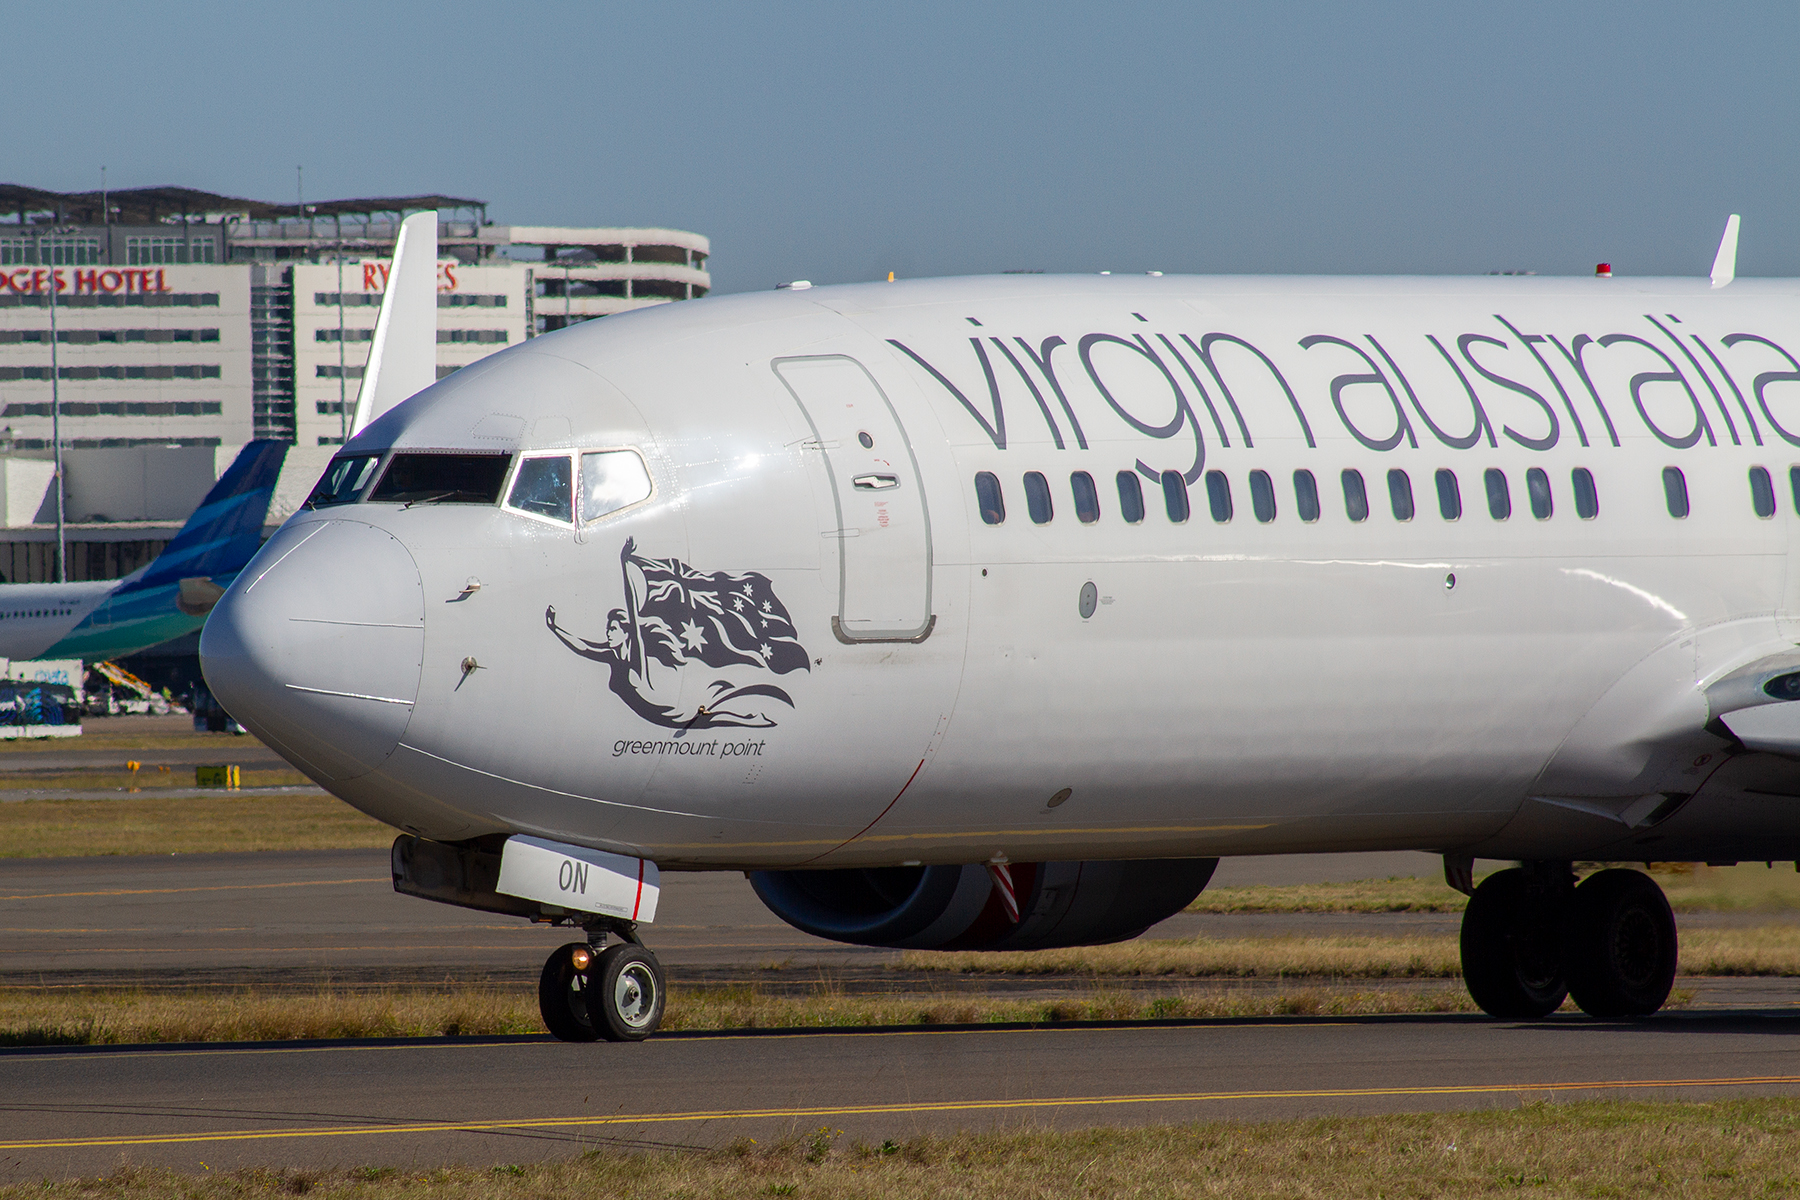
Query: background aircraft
x,y
170,597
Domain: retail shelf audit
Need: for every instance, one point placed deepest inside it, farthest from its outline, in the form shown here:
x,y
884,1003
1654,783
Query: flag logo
x,y
677,619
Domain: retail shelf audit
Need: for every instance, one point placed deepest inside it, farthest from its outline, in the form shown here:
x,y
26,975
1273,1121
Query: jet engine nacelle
x,y
964,908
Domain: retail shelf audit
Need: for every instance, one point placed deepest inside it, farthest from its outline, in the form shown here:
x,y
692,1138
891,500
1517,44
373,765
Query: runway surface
x,y
86,1112
297,919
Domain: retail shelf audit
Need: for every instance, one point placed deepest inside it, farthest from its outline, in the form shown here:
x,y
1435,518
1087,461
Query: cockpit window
x,y
611,480
442,479
543,488
343,481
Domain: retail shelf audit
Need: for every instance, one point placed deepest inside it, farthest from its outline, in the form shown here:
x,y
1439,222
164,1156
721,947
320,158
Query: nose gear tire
x,y
628,994
1621,947
563,996
1511,956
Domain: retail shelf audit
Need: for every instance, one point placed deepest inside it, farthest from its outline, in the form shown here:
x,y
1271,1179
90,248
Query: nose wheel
x,y
587,994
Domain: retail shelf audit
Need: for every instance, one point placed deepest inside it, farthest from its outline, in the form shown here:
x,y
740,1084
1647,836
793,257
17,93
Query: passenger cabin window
x,y
1400,495
611,480
1131,497
1675,492
1587,498
1762,492
1449,495
1499,496
442,479
1537,490
1087,497
543,488
1218,496
1356,497
1037,498
1794,487
987,498
343,481
1306,496
1262,496
1175,497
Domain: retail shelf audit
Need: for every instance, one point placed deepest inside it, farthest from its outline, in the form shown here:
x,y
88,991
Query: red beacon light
x,y
1603,271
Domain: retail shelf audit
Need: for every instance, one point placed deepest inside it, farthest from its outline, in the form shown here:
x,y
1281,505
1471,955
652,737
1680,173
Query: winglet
x,y
1725,261
403,356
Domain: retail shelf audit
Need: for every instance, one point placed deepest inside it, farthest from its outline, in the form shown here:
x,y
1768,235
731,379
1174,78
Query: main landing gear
x,y
590,990
1531,937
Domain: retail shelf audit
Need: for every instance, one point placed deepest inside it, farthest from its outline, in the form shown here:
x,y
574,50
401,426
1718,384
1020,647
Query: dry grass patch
x,y
80,1017
1691,887
1760,950
151,824
1727,1149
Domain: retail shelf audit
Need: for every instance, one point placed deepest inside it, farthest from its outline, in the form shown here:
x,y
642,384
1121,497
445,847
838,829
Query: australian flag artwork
x,y
677,619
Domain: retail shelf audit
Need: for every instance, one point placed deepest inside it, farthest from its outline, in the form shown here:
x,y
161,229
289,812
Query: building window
x,y
1675,492
1306,496
483,336
1762,492
166,249
1400,495
1449,495
1587,499
350,335
57,251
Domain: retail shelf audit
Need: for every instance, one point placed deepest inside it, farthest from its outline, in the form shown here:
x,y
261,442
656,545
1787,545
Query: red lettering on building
x,y
86,281
110,281
161,286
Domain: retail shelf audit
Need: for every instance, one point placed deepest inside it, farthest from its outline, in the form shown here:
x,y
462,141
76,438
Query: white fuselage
x,y
1523,686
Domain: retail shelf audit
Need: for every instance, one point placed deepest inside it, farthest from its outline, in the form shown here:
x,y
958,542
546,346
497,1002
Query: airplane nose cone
x,y
316,647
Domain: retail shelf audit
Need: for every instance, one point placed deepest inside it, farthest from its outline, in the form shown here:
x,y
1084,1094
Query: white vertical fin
x,y
1725,261
403,357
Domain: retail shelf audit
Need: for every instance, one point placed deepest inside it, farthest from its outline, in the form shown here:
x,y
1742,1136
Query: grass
x,y
148,779
1748,887
149,824
1725,1149
1761,950
123,1016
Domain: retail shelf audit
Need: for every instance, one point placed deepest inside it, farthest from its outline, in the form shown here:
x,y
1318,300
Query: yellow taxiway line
x,y
855,1110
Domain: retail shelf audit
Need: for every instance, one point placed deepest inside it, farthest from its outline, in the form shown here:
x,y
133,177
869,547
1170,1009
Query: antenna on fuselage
x,y
403,356
1725,261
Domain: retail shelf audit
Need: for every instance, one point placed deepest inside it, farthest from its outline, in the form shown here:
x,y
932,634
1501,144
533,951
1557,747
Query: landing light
x,y
581,956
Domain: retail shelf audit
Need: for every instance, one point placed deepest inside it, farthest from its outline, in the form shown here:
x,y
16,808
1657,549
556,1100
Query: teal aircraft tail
x,y
171,597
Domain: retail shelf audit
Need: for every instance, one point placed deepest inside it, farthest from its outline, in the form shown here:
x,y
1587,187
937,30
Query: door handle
x,y
875,483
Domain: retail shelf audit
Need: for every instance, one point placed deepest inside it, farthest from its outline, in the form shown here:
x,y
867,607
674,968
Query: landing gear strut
x,y
590,990
1531,937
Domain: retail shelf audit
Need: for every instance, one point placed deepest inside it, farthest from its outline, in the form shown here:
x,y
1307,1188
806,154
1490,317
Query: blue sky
x,y
837,142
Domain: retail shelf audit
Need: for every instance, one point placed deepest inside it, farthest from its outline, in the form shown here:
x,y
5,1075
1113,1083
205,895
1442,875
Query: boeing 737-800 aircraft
x,y
988,613
168,599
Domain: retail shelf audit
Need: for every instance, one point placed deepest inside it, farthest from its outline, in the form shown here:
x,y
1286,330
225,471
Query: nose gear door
x,y
879,516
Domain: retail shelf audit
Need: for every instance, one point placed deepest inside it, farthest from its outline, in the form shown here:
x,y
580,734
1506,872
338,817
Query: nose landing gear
x,y
590,991
1531,937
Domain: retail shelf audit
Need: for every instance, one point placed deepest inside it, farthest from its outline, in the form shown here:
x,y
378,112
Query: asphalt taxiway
x,y
299,919
87,1111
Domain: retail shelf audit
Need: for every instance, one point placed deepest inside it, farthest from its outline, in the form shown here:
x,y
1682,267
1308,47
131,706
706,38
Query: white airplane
x,y
989,613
